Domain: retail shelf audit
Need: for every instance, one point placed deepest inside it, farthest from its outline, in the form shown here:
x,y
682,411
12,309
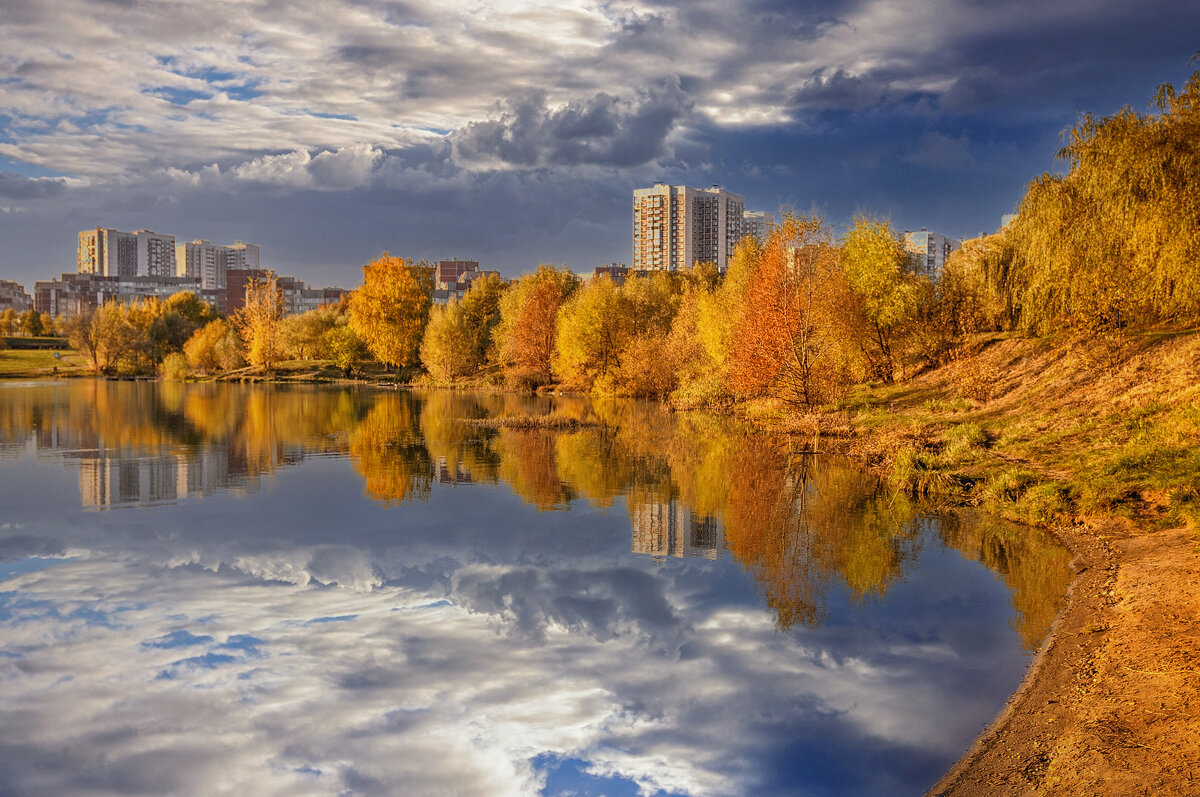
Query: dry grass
x,y
554,422
1062,431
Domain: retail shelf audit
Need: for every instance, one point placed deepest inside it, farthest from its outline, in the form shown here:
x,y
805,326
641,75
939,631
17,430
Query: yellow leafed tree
x,y
258,322
390,310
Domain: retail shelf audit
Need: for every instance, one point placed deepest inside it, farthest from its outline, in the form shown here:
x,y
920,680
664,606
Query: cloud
x,y
942,152
175,116
331,170
18,186
601,130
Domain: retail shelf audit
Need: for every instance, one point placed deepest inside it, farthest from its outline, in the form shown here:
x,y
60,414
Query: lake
x,y
278,590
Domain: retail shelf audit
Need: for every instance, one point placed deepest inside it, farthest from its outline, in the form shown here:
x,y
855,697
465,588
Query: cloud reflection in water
x,y
301,638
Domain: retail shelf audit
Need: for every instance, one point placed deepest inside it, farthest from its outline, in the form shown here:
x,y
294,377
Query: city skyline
x,y
516,135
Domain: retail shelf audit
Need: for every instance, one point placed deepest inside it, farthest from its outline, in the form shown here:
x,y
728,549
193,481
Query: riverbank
x,y
1100,444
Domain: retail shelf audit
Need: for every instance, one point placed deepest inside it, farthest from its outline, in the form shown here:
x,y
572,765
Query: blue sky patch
x,y
566,776
176,639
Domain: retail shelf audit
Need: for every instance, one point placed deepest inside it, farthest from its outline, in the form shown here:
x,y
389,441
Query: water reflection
x,y
655,602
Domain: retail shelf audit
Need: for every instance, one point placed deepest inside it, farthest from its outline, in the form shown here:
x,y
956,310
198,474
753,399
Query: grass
x,y
557,422
37,362
1057,438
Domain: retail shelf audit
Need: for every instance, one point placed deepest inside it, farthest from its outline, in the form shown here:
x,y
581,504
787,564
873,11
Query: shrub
x,y
174,366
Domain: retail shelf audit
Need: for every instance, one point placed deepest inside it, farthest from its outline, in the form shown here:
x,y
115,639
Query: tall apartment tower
x,y
758,223
107,252
243,255
209,262
675,227
932,247
155,254
113,253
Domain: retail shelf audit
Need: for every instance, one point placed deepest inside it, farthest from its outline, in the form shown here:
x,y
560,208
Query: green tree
x,y
191,307
31,323
390,310
884,275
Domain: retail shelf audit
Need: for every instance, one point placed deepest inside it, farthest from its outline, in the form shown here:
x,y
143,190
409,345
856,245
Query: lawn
x,y
37,362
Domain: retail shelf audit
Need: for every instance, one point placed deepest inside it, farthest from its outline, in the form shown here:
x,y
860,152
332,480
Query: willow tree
x,y
1114,240
390,310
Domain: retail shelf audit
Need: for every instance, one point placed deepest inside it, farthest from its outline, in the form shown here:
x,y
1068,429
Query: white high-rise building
x,y
758,223
675,227
933,247
155,254
209,262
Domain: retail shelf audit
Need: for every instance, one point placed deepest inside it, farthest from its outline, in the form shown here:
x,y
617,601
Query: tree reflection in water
x,y
693,484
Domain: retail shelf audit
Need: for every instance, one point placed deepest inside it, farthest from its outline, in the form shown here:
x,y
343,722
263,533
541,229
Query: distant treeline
x,y
1110,245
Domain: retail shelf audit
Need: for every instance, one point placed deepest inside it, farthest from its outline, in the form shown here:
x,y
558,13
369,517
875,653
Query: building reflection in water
x,y
671,529
110,479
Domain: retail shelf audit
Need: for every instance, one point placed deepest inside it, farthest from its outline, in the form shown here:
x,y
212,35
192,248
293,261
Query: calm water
x,y
252,590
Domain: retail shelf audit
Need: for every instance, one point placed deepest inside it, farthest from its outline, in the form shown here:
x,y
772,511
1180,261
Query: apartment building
x,y
208,262
758,223
14,297
933,247
675,227
73,294
113,253
297,296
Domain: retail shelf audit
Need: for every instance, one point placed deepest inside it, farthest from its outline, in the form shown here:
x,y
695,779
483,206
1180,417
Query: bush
x,y
175,366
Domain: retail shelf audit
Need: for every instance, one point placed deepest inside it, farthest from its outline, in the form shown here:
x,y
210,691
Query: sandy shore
x,y
1110,706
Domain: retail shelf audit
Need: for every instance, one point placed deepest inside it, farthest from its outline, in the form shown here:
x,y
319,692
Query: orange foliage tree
x,y
527,331
797,315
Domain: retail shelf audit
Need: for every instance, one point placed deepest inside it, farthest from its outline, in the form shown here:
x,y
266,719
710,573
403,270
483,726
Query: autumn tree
x,y
798,318
389,311
214,347
885,277
105,337
258,322
593,326
447,349
1114,241
612,339
344,348
459,334
525,336
301,336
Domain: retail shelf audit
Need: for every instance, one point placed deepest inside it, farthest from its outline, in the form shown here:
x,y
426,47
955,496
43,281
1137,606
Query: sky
x,y
328,131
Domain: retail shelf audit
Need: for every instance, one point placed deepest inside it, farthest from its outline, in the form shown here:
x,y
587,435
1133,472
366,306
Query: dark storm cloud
x,y
601,130
18,186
